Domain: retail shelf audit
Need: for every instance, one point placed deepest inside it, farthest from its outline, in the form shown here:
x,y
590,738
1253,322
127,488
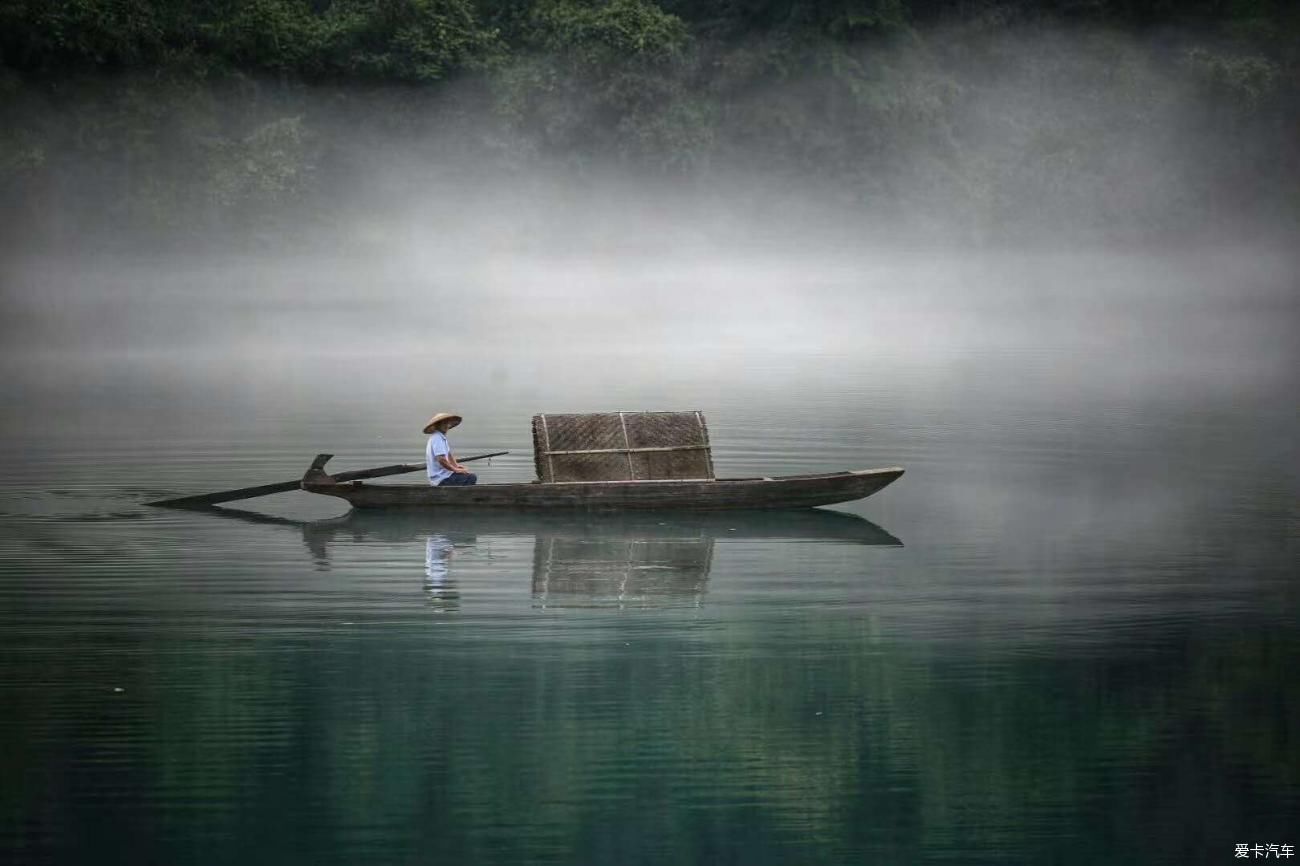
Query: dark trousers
x,y
458,480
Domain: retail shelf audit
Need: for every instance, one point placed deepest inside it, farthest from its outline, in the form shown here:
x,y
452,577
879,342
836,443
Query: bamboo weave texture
x,y
622,446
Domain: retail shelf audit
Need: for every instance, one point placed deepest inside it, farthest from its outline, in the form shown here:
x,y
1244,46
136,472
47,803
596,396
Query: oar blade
x,y
204,499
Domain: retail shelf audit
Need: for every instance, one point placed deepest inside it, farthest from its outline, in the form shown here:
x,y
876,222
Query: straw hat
x,y
442,416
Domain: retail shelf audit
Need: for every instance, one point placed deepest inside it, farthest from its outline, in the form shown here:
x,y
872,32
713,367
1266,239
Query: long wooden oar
x,y
203,499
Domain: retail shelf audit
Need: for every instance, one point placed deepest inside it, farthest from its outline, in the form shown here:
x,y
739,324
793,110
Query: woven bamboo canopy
x,y
622,446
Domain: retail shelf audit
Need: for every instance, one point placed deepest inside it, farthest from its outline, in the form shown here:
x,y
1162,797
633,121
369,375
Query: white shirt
x,y
438,446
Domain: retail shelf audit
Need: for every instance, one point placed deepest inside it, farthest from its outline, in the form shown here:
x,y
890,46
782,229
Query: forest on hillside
x,y
1134,117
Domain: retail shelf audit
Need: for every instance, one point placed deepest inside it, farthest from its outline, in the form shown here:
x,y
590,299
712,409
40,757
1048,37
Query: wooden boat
x,y
788,491
611,461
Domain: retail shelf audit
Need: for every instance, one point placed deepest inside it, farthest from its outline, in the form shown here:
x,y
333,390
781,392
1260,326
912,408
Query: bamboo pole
x,y
204,499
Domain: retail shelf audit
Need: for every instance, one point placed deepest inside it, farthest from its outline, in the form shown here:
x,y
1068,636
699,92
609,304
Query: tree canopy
x,y
905,104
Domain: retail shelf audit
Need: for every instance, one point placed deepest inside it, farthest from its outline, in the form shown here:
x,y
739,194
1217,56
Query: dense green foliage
x,y
1128,113
384,40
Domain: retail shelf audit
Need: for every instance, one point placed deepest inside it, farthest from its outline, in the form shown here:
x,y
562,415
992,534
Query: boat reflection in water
x,y
583,560
613,569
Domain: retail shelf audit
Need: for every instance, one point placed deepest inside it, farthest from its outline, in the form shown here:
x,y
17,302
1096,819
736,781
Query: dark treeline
x,y
1112,115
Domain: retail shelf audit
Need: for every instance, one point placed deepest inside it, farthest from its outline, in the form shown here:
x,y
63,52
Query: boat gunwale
x,y
535,483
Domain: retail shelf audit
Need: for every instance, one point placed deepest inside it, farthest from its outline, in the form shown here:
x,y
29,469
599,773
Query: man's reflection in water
x,y
438,584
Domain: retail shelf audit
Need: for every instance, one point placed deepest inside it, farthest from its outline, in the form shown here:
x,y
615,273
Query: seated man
x,y
443,469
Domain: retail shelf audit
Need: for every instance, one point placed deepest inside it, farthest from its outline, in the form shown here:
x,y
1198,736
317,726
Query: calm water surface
x,y
1068,635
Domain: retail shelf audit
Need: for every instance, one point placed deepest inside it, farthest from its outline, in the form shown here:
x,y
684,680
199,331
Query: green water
x,y
1068,635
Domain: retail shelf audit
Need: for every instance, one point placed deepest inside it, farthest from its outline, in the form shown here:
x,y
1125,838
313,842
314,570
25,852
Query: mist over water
x,y
1067,634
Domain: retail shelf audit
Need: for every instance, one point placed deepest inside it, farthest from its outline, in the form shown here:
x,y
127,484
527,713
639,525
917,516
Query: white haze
x,y
444,263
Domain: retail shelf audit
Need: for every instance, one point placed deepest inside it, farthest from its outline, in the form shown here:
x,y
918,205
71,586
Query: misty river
x,y
1068,634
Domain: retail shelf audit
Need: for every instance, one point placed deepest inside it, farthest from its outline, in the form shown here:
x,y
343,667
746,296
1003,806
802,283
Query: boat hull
x,y
790,491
